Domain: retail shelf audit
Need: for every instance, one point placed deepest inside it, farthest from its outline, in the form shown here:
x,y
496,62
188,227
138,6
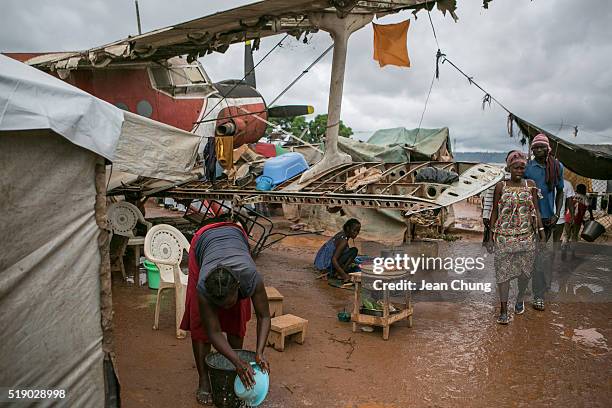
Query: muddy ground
x,y
454,355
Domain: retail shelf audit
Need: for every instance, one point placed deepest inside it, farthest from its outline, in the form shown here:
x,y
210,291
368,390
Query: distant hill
x,y
481,157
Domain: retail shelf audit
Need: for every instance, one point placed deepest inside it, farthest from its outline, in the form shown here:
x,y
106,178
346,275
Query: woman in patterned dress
x,y
515,223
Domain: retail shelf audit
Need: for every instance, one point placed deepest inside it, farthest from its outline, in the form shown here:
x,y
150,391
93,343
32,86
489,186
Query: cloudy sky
x,y
547,61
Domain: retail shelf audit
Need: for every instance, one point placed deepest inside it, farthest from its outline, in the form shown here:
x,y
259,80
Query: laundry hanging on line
x,y
390,44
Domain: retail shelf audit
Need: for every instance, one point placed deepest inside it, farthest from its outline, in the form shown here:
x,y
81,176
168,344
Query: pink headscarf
x,y
541,140
553,167
516,157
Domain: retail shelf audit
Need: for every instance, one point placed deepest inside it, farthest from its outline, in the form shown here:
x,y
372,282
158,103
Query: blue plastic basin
x,y
282,168
256,395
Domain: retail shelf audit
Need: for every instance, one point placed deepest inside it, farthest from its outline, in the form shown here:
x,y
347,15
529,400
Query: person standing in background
x,y
579,205
566,213
547,173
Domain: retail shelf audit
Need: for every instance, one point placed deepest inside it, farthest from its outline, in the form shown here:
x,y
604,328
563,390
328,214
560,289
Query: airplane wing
x,y
216,32
398,188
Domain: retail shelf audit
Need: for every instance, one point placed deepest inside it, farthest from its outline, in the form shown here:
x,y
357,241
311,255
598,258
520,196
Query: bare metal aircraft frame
x,y
397,188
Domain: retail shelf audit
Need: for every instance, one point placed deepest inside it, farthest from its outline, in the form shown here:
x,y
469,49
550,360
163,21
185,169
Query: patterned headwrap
x,y
516,156
553,167
541,140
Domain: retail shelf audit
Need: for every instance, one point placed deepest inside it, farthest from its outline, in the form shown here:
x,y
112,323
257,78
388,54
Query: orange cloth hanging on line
x,y
390,46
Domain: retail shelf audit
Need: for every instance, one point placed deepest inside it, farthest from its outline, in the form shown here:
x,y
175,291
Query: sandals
x,y
519,308
503,319
204,397
538,304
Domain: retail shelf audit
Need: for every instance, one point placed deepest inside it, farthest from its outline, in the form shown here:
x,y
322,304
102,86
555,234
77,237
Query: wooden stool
x,y
275,299
287,325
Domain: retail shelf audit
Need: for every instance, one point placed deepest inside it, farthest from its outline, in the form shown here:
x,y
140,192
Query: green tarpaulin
x,y
396,145
399,145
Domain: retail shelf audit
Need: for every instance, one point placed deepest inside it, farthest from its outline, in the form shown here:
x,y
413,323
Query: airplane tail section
x,y
249,67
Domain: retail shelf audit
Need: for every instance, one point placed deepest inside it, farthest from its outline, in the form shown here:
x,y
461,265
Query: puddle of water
x,y
590,337
591,286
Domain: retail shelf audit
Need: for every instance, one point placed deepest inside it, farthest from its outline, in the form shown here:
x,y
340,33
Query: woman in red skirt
x,y
222,283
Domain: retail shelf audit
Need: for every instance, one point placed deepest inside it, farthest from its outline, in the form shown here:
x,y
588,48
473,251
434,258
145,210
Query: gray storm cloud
x,y
547,61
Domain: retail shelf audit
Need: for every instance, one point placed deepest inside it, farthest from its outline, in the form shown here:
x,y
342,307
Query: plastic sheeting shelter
x,y
31,99
592,161
397,145
55,293
400,145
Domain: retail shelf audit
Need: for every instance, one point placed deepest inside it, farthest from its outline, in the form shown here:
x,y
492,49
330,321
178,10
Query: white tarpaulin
x,y
50,316
154,149
31,99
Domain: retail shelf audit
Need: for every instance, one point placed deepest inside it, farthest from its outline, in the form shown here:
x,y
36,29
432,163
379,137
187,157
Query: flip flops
x,y
503,319
204,398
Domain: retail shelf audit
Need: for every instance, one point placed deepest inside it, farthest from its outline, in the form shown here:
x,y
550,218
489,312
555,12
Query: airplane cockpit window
x,y
161,78
181,80
194,74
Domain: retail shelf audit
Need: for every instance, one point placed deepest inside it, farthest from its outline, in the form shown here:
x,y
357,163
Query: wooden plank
x,y
273,293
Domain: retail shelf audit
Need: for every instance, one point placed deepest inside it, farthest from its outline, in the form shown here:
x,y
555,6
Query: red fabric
x,y
579,209
265,149
233,320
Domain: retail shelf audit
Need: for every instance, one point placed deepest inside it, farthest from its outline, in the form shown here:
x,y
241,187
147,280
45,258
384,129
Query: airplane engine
x,y
241,122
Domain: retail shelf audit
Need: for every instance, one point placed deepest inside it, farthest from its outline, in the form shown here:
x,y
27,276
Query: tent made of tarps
x,y
31,99
592,161
399,145
434,144
51,266
55,293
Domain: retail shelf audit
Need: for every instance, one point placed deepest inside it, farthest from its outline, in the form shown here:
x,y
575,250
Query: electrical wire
x,y
304,72
248,73
425,107
433,29
435,74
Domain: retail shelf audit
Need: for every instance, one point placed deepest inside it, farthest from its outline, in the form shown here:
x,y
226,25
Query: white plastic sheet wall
x,y
50,334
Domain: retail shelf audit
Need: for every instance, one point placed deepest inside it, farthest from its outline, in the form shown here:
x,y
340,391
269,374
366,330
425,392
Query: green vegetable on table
x,y
369,304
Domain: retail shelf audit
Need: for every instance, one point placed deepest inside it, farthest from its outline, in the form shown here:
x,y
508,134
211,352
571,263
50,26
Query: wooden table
x,y
387,319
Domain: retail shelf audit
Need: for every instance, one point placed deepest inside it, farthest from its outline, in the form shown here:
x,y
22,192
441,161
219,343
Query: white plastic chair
x,y
123,218
164,246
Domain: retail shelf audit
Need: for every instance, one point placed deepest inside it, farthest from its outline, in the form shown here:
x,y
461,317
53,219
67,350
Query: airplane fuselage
x,y
176,93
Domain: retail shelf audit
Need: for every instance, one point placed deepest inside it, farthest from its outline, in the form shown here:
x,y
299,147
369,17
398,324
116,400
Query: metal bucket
x,y
592,230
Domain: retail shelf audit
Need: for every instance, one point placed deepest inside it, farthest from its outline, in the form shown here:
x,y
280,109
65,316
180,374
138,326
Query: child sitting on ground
x,y
336,256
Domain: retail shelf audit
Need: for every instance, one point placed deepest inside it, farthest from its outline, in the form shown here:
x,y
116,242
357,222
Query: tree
x,y
295,125
315,129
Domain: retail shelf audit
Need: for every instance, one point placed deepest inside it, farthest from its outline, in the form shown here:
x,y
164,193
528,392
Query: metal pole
x,y
138,17
340,31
